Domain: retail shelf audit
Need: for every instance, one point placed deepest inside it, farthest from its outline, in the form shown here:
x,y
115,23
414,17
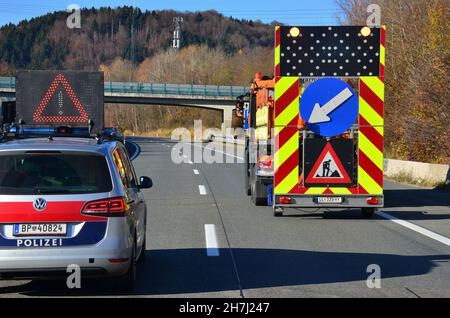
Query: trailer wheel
x,y
277,211
368,213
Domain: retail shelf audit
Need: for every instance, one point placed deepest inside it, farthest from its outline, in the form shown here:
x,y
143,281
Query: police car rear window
x,y
47,173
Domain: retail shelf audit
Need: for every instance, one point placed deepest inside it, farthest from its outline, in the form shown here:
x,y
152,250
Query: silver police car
x,y
66,201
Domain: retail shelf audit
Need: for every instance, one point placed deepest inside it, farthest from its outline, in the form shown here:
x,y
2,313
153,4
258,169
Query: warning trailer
x,y
314,131
329,117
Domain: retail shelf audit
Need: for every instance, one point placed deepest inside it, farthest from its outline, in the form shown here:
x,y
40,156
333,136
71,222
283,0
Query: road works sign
x,y
329,106
60,98
328,163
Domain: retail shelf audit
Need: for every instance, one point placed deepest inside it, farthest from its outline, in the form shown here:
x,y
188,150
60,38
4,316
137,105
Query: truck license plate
x,y
329,200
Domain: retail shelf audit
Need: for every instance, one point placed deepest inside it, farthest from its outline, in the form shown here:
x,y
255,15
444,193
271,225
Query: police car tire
x,y
127,282
141,258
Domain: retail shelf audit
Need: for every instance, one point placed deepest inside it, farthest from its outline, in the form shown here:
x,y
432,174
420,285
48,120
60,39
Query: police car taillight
x,y
113,207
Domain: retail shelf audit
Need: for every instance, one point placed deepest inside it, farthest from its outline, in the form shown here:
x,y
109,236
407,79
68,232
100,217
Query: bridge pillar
x,y
227,118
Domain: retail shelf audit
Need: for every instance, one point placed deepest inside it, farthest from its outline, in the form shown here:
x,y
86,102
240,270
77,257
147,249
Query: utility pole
x,y
176,33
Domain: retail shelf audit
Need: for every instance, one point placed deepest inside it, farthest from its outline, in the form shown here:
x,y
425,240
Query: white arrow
x,y
320,114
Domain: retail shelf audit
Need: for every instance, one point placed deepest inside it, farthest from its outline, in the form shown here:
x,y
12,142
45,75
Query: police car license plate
x,y
329,200
40,229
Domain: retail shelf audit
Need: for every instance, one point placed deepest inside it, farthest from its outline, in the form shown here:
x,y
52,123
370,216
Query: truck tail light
x,y
372,200
285,200
265,166
111,207
265,162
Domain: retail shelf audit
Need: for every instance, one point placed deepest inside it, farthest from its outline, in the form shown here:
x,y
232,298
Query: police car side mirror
x,y
145,183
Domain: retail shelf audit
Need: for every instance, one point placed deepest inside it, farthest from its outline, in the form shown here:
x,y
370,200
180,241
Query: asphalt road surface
x,y
206,239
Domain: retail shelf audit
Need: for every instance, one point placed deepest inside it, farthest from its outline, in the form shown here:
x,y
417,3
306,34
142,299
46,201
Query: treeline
x,y
126,32
417,108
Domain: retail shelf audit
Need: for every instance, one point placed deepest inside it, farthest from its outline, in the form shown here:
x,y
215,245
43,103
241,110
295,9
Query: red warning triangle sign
x,y
328,168
60,79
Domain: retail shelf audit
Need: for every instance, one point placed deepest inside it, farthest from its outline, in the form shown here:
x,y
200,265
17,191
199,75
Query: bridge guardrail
x,y
157,88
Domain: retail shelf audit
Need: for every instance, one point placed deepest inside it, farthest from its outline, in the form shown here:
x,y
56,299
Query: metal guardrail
x,y
157,88
229,139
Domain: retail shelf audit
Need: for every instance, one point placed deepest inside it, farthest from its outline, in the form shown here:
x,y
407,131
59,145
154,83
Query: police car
x,y
70,201
68,196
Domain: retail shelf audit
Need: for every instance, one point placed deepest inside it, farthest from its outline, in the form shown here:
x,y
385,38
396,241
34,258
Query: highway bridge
x,y
216,97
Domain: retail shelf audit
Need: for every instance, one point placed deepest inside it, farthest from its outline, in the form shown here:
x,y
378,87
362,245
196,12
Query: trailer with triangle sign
x,y
328,163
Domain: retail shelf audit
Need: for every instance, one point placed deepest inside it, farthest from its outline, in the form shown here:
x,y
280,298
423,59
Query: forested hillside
x,y
106,34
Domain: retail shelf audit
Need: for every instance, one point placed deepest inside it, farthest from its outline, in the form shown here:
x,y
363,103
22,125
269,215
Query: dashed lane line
x,y
212,246
202,189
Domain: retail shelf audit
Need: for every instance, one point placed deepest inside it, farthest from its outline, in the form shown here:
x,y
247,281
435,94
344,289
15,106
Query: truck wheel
x,y
367,213
258,197
248,189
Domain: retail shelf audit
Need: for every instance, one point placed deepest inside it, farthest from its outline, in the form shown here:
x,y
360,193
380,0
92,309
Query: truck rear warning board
x,y
60,98
345,51
329,163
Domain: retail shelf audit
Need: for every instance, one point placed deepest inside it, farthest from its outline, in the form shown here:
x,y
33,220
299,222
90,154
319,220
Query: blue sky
x,y
294,12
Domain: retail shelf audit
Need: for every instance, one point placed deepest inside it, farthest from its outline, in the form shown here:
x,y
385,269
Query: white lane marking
x,y
202,189
416,228
227,154
212,247
196,171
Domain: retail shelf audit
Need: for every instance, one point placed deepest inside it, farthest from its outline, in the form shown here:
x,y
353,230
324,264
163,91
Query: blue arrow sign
x,y
329,106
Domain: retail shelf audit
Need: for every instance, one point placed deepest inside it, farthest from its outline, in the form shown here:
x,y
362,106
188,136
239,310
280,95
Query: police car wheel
x,y
127,282
141,258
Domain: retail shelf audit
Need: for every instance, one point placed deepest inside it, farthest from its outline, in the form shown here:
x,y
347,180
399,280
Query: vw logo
x,y
40,204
